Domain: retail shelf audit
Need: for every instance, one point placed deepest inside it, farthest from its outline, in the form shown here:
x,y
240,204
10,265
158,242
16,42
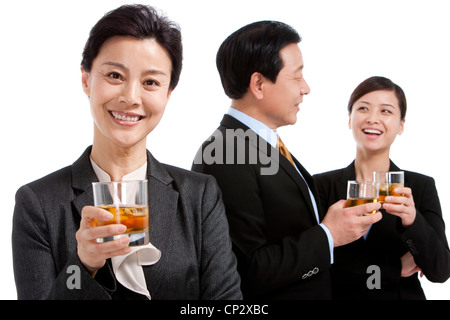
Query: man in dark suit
x,y
283,250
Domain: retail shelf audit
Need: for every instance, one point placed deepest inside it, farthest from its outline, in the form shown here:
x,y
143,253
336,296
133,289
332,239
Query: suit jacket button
x,y
315,270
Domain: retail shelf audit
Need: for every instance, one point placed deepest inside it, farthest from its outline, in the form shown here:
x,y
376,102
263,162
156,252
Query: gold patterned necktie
x,y
284,151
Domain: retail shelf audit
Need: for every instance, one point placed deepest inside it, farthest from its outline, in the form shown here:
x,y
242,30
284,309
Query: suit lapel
x,y
163,204
347,174
86,198
82,177
283,163
302,183
163,200
393,166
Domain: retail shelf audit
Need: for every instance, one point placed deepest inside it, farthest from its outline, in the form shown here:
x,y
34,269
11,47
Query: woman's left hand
x,y
402,207
409,266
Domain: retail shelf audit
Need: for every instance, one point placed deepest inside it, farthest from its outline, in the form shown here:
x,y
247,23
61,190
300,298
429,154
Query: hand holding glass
x,y
389,181
128,202
362,192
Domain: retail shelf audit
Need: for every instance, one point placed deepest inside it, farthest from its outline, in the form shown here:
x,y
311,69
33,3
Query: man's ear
x,y
85,82
255,86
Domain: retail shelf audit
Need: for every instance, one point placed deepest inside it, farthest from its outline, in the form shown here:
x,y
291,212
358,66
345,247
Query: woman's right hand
x,y
92,254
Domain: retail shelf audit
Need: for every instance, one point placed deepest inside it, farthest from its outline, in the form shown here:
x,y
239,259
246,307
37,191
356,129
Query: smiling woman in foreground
x,y
131,64
410,238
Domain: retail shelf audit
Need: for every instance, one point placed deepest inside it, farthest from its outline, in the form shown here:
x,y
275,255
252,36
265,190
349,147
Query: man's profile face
x,y
282,99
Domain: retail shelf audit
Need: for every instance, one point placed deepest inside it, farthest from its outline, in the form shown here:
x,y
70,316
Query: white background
x,y
46,122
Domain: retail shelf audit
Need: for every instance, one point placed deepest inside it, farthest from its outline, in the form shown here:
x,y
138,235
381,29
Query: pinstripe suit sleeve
x,y
35,269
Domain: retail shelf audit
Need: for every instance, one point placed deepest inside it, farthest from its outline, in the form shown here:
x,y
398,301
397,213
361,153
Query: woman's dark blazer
x,y
187,223
388,241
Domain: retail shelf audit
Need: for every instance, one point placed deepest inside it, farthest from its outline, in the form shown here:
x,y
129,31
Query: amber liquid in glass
x,y
384,192
352,202
135,218
392,187
388,190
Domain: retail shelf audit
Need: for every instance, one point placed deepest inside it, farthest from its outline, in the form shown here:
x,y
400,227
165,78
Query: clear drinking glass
x,y
389,181
362,192
128,202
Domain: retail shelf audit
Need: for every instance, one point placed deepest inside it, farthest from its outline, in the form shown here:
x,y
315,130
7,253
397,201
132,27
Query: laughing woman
x,y
410,238
131,64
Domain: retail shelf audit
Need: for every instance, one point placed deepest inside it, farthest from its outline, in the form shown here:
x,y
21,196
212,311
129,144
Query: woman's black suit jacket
x,y
388,241
187,223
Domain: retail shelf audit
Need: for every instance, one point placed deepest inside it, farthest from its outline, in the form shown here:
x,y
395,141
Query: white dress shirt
x,y
128,268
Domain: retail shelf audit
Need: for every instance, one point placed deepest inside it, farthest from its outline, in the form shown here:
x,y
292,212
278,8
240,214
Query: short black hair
x,y
253,48
140,22
378,83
